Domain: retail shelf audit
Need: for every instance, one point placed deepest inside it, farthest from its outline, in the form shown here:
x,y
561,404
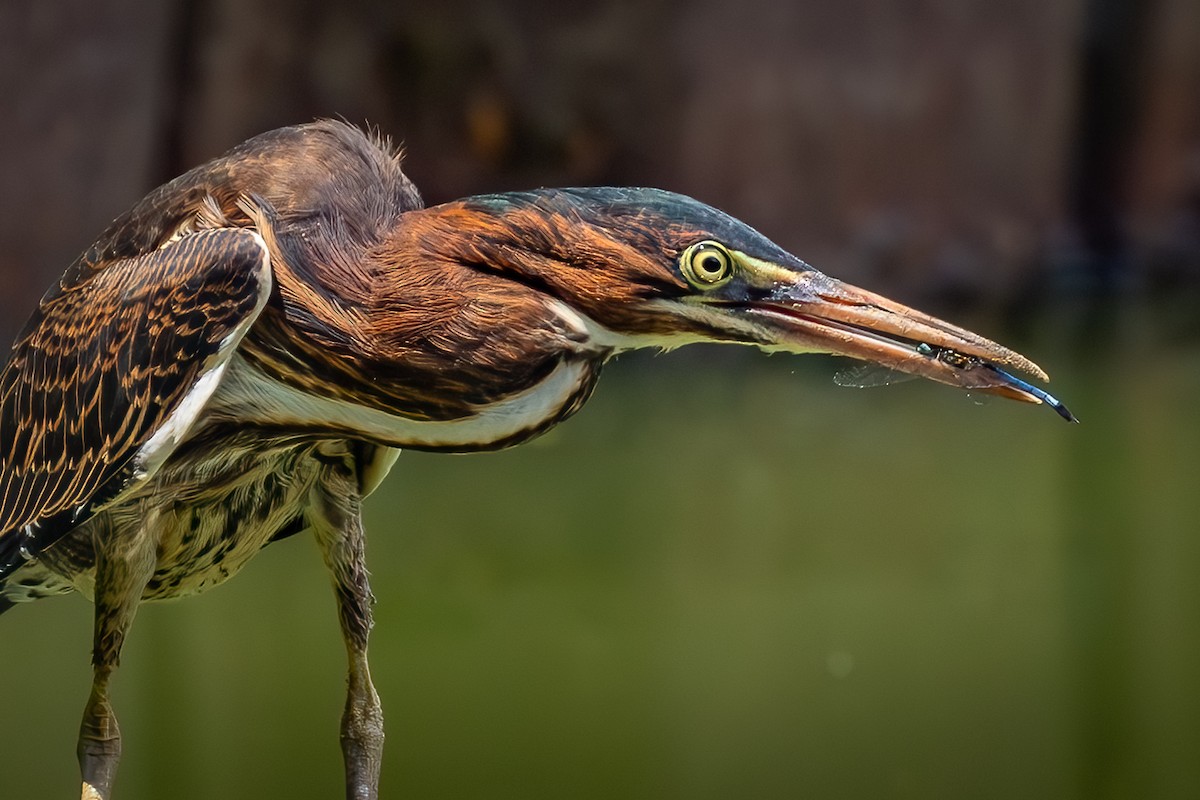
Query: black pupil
x,y
711,265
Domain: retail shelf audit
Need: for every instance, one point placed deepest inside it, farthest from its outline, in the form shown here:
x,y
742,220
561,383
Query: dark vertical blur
x,y
1100,589
1111,95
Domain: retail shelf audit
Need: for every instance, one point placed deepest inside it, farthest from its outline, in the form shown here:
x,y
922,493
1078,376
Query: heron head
x,y
650,268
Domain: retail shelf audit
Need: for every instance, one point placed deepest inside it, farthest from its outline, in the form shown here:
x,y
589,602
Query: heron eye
x,y
707,264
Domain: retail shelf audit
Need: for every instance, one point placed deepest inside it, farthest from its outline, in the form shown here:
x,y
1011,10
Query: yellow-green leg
x,y
122,572
337,523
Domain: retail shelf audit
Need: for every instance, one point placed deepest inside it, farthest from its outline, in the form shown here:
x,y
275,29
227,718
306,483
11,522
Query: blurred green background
x,y
724,582
726,577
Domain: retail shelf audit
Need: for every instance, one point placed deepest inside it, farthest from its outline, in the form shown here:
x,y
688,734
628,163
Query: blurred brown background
x,y
727,577
971,148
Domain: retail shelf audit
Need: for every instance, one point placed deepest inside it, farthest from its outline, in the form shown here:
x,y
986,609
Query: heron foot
x,y
99,748
362,735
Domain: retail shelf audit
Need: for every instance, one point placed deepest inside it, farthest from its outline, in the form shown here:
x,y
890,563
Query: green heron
x,y
242,355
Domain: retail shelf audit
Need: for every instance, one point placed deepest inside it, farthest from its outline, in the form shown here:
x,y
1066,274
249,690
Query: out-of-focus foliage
x,y
933,148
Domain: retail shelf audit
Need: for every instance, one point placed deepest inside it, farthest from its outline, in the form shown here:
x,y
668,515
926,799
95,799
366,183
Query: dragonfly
x,y
865,376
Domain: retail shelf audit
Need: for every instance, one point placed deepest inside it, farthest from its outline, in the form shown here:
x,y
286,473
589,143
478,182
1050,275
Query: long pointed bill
x,y
819,313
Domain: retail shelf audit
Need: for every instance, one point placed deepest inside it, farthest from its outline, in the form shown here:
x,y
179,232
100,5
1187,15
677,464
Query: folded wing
x,y
109,374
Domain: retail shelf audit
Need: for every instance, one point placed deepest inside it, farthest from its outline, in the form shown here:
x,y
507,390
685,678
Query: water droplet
x,y
839,663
